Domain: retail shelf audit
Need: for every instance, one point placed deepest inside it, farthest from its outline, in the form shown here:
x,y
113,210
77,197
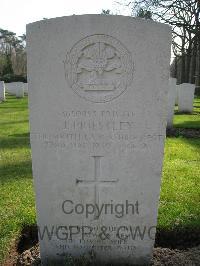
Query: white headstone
x,y
19,89
171,101
2,91
26,88
15,88
10,89
97,95
176,100
186,97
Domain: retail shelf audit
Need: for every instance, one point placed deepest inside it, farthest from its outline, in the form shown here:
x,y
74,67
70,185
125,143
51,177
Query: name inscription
x,y
109,130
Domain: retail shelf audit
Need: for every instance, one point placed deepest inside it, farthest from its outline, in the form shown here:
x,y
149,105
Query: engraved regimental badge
x,y
99,68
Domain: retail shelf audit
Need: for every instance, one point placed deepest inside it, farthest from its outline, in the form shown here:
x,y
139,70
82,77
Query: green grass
x,y
180,193
17,206
188,120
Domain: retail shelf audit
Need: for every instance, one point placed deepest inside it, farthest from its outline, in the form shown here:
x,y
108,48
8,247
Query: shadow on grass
x,y
185,133
16,171
15,122
188,124
13,107
183,113
15,141
24,135
195,142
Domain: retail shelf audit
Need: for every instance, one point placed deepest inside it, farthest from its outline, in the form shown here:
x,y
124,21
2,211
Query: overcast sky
x,y
15,14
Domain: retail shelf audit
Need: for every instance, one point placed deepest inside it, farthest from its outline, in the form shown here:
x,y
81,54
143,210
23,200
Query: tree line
x,y
12,56
182,15
184,18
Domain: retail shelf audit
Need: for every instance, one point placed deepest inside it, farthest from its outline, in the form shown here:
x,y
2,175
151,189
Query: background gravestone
x,y
186,97
2,91
10,88
19,89
26,88
15,88
97,96
172,93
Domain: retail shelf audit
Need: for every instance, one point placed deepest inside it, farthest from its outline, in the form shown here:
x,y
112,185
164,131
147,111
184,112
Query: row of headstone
x,y
2,91
182,95
17,88
97,148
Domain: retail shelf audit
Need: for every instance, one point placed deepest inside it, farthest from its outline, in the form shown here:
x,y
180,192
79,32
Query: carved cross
x,y
97,179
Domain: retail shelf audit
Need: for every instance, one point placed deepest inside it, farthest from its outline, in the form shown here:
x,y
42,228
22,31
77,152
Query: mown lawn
x,y
180,193
17,205
187,120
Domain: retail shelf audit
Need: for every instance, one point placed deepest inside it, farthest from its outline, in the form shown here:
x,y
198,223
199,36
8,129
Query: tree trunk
x,y
187,66
197,76
193,64
182,70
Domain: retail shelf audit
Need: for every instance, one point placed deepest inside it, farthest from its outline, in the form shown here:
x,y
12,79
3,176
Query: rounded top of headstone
x,y
97,56
97,17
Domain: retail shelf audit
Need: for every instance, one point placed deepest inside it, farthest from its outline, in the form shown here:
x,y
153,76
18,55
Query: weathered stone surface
x,y
171,101
98,105
186,97
2,91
